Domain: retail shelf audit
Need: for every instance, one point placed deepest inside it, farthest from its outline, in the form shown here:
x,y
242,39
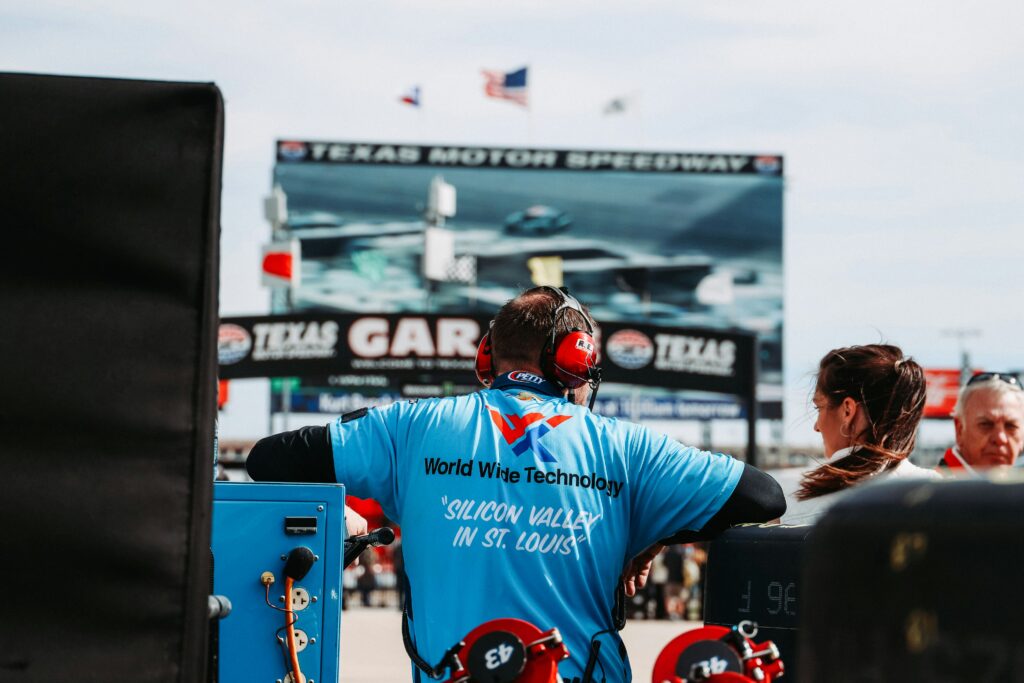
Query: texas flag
x,y
507,86
411,97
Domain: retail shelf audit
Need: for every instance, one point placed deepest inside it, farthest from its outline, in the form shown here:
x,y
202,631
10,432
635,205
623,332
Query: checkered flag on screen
x,y
462,269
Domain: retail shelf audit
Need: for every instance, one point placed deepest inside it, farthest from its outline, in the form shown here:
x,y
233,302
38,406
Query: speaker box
x,y
108,296
916,581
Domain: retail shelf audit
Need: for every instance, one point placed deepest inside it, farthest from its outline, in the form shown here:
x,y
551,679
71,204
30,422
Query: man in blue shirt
x,y
517,501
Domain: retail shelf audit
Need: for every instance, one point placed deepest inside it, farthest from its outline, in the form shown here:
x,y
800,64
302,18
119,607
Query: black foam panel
x,y
109,199
916,581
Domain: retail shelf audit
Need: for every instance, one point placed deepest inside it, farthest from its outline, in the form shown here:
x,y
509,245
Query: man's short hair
x,y
995,384
522,327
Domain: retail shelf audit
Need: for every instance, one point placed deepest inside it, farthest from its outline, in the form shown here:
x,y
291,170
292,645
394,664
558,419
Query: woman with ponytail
x,y
870,400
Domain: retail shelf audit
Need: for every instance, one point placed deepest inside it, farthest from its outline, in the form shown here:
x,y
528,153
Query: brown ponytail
x,y
891,390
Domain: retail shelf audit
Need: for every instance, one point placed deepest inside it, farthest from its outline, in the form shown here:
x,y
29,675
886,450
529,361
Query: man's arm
x,y
303,455
300,456
756,498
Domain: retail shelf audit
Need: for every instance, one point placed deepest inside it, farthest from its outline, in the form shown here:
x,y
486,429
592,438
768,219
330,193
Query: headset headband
x,y
568,302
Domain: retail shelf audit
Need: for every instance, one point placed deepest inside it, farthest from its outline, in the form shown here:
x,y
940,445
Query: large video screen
x,y
652,238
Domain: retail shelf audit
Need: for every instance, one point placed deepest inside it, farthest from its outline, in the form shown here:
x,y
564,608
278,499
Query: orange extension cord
x,y
289,584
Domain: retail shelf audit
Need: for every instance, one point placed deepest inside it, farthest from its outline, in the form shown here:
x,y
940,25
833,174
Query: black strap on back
x,y
435,672
618,623
619,610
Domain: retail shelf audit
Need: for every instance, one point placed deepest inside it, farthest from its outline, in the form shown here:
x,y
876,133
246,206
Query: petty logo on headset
x,y
523,433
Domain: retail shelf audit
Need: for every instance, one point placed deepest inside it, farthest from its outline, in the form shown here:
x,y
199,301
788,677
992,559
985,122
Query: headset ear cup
x,y
575,358
485,361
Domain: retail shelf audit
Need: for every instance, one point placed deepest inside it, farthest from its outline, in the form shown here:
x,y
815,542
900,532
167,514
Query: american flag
x,y
507,86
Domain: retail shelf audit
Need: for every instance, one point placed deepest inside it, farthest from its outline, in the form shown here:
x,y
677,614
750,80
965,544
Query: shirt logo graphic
x,y
520,376
523,433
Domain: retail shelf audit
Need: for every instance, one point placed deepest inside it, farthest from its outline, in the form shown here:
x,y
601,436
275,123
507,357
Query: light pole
x,y
961,334
275,210
438,241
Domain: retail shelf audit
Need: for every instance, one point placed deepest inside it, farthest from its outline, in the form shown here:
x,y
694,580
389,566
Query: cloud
x,y
899,122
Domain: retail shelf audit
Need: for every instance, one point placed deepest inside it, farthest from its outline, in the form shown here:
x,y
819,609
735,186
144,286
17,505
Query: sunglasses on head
x,y
1008,377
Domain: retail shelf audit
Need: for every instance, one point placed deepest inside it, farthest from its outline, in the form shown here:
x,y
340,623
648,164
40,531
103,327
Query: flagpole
x,y
529,114
640,115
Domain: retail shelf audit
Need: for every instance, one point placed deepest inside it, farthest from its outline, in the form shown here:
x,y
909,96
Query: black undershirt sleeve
x,y
757,498
303,455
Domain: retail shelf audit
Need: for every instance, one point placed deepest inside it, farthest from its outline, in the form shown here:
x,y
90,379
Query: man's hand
x,y
355,525
634,576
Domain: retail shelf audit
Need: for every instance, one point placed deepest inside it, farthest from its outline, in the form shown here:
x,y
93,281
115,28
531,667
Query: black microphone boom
x,y
382,536
354,545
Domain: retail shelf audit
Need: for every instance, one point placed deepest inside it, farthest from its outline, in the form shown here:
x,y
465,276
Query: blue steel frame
x,y
248,539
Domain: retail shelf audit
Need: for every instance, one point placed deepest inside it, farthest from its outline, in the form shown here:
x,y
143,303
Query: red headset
x,y
569,359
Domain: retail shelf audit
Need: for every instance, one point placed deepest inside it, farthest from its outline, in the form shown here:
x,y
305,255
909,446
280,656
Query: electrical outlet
x,y
300,599
288,677
301,640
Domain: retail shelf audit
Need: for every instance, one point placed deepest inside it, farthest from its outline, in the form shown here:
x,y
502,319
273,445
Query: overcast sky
x,y
900,124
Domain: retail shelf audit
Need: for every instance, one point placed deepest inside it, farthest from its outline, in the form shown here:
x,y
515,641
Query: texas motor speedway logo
x,y
632,350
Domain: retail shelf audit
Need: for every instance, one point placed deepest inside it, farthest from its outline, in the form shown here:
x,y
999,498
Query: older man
x,y
989,421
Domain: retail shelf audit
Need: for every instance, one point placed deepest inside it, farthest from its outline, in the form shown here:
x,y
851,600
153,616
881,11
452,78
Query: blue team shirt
x,y
514,502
